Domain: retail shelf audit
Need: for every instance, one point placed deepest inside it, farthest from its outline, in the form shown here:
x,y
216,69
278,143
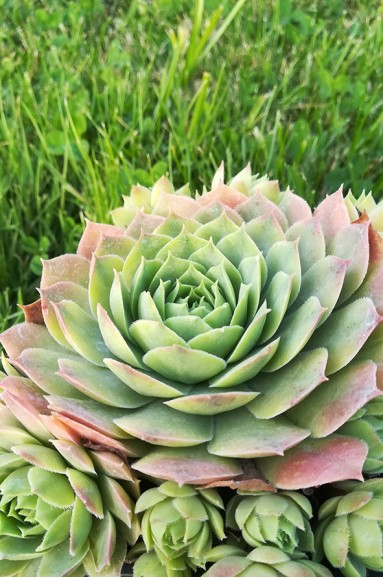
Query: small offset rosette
x,y
178,529
350,531
64,509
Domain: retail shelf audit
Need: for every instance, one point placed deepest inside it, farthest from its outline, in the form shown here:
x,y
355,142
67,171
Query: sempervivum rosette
x,y
63,508
178,526
266,561
350,531
201,334
280,520
367,425
366,203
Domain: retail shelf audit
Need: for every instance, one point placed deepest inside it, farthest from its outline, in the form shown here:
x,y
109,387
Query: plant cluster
x,y
198,390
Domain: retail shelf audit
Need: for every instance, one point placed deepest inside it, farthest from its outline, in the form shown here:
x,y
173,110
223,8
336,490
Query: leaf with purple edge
x,y
87,491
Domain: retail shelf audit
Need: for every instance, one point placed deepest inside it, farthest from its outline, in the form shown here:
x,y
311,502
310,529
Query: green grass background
x,y
95,96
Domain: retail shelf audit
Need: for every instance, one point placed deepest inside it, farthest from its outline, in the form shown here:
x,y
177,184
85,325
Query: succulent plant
x,y
367,425
231,338
366,203
214,336
63,508
280,520
350,532
266,561
179,524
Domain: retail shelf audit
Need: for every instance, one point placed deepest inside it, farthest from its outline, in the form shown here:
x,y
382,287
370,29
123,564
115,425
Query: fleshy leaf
x,y
115,342
120,246
148,564
104,540
239,434
277,297
182,364
253,272
151,334
353,501
345,332
80,526
226,195
232,566
284,256
336,401
33,312
323,280
237,246
26,403
24,336
182,246
57,532
332,214
294,207
99,384
248,368
16,483
265,232
44,458
82,332
87,491
64,290
181,206
186,326
220,341
143,223
41,366
52,488
250,481
147,246
187,466
205,401
13,548
95,415
258,205
93,234
286,387
295,331
116,499
75,455
90,435
144,383
162,425
312,246
74,268
365,538
351,243
371,286
316,462
336,541
250,338
59,562
218,228
101,278
118,299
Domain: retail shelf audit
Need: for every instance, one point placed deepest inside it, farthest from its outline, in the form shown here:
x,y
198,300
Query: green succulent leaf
x,y
87,491
161,425
240,434
80,526
182,364
51,487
